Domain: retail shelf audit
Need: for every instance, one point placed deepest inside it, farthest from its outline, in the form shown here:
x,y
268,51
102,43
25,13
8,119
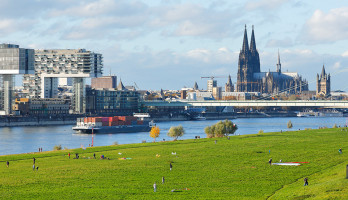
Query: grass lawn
x,y
230,169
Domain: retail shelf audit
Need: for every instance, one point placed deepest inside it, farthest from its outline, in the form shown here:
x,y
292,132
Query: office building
x,y
104,82
13,61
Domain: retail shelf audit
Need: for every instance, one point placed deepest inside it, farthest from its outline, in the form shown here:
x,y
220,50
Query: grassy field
x,y
230,169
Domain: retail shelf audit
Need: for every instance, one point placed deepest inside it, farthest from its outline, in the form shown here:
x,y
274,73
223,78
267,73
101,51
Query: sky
x,y
170,44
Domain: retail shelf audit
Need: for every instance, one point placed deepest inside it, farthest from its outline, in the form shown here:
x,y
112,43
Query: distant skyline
x,y
170,44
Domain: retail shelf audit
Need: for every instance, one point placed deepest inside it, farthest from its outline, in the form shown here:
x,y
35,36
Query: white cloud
x,y
9,26
285,42
195,20
345,54
326,27
265,4
337,65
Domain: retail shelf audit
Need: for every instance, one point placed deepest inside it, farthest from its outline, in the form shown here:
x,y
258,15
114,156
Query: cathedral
x,y
323,83
251,79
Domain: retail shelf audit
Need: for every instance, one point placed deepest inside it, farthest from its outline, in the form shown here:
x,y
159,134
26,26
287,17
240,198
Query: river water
x,y
14,140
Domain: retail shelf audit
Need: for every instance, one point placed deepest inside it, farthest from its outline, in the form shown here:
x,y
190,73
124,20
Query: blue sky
x,y
170,44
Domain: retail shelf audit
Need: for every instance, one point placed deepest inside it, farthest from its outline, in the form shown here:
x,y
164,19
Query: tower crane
x,y
135,84
212,77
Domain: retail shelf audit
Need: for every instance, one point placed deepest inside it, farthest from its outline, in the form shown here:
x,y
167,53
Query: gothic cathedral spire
x,y
252,41
245,47
279,66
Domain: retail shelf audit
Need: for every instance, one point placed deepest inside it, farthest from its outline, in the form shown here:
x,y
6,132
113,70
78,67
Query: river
x,y
14,140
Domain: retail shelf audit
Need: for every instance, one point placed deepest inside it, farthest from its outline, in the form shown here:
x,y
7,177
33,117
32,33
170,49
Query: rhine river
x,y
16,140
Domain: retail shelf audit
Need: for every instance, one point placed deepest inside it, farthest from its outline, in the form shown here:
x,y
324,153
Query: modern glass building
x,y
112,101
13,61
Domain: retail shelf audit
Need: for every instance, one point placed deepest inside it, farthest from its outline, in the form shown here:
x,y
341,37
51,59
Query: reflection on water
x,y
29,139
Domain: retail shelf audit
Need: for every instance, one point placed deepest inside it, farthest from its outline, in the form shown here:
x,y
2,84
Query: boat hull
x,y
114,129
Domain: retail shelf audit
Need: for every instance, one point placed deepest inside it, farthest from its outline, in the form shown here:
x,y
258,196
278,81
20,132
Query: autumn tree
x,y
154,133
176,131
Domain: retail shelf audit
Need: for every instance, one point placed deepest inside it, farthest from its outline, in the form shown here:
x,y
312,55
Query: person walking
x,y
270,161
170,166
154,187
305,181
162,179
7,164
94,155
34,161
69,155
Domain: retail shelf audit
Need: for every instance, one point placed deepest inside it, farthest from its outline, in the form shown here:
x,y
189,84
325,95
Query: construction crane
x,y
248,82
212,77
135,84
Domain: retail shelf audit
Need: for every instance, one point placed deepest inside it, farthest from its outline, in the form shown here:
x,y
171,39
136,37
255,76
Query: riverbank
x,y
44,120
202,169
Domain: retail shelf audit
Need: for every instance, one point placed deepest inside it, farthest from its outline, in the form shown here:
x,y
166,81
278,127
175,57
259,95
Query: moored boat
x,y
116,124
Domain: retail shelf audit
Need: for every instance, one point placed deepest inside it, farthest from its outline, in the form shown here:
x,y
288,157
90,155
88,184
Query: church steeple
x,y
323,72
245,41
252,41
195,87
229,81
279,66
121,86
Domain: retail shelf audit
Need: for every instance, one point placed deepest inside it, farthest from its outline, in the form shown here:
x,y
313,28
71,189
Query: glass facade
x,y
111,101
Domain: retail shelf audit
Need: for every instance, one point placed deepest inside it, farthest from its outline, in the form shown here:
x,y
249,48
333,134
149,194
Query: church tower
x,y
255,58
279,66
229,85
323,83
248,64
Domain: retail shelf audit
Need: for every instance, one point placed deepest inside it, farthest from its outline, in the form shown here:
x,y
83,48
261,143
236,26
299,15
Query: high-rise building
x,y
62,63
104,82
217,93
323,83
211,83
13,61
251,79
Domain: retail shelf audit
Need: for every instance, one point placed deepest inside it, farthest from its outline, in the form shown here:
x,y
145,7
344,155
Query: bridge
x,y
250,103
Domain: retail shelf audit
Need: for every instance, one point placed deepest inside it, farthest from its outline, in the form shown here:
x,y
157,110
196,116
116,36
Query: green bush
x,y
57,147
176,131
220,129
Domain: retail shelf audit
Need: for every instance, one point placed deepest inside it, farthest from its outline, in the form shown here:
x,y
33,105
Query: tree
x,y
154,133
208,131
220,129
176,131
289,124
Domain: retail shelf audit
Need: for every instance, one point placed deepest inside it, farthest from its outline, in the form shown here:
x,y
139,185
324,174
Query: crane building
x,y
50,65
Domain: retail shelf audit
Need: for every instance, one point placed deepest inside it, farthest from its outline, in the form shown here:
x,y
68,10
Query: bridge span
x,y
250,103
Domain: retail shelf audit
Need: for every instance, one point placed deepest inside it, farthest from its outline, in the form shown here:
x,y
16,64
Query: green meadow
x,y
202,169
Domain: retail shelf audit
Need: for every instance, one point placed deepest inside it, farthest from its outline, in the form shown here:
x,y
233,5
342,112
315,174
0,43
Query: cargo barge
x,y
116,124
